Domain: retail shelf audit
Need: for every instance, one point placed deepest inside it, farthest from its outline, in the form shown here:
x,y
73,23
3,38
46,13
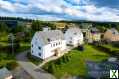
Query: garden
x,y
74,63
7,56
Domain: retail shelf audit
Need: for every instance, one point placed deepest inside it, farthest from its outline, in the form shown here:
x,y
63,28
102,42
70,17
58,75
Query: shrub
x,y
51,68
81,48
64,59
115,44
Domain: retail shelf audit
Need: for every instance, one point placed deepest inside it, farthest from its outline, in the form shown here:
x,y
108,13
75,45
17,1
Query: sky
x,y
91,10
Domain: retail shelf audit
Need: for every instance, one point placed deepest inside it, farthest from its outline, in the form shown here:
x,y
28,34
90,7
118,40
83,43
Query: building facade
x,y
74,36
47,43
111,35
93,35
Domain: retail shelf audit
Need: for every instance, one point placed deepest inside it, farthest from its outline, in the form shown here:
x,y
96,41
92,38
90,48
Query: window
x,y
32,51
59,43
54,45
75,33
39,48
71,38
39,54
70,41
32,45
114,33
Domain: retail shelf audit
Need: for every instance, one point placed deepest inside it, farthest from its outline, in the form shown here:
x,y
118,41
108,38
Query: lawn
x,y
77,66
3,37
3,43
24,46
7,60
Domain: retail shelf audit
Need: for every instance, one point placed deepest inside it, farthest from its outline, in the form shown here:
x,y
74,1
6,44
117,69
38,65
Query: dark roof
x,y
94,30
114,31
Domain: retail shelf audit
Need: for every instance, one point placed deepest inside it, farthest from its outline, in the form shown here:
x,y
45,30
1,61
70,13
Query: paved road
x,y
31,68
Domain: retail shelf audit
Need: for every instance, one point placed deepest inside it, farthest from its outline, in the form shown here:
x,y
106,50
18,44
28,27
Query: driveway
x,y
33,70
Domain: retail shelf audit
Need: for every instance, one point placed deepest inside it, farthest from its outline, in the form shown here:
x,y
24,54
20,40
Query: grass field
x,y
6,57
7,60
77,66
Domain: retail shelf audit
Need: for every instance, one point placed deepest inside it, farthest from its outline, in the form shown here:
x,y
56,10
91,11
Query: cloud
x,y
6,5
61,9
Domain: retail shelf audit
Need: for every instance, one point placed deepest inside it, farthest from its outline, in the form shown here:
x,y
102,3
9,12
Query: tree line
x,y
15,18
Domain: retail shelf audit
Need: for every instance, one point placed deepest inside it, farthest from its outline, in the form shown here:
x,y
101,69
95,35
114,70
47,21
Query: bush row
x,y
108,50
51,66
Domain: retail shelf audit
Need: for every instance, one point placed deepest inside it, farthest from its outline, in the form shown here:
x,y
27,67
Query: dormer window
x,y
114,33
48,40
75,33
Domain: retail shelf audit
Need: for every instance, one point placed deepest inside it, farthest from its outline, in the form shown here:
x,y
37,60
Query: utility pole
x,y
12,37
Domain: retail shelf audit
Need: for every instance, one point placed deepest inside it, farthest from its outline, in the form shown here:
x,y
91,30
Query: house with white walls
x,y
47,43
74,36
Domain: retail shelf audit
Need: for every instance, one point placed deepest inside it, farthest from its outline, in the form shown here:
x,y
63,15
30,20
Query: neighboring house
x,y
47,43
20,35
5,74
74,36
28,24
60,26
85,25
85,28
111,35
93,35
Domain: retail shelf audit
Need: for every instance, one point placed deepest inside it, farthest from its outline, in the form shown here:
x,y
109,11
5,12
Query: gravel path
x,y
31,68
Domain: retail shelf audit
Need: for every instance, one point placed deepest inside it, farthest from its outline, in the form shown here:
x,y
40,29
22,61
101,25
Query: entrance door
x,y
57,52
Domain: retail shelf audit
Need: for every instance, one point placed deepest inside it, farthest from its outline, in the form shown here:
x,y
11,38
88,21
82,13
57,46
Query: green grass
x,y
91,53
3,36
3,43
76,65
23,47
7,60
